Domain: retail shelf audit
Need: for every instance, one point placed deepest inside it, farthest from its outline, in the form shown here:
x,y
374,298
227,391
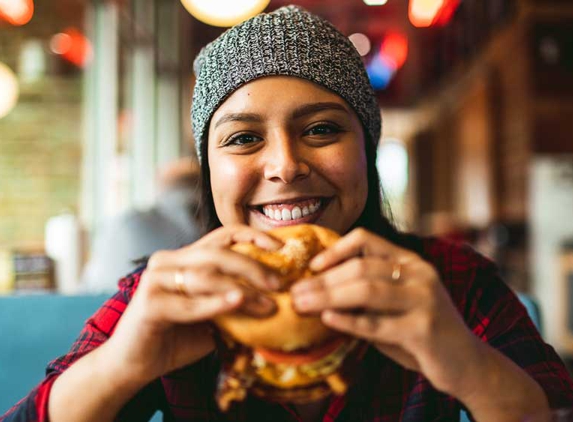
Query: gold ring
x,y
396,271
180,281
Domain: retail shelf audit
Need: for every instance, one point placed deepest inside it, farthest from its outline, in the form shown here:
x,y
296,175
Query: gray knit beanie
x,y
289,41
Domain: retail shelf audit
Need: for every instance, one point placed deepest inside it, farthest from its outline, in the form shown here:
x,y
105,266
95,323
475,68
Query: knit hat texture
x,y
289,41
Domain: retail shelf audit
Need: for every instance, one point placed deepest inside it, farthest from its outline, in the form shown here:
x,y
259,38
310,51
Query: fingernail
x,y
328,316
316,263
233,297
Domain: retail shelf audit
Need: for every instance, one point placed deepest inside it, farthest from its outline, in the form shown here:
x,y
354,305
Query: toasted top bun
x,y
285,330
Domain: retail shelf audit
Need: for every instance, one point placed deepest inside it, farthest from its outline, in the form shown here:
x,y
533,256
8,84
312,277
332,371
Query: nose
x,y
284,161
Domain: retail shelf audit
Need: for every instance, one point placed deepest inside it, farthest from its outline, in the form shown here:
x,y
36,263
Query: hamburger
x,y
286,357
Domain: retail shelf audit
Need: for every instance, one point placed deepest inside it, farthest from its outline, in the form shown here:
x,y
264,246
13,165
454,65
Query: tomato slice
x,y
294,358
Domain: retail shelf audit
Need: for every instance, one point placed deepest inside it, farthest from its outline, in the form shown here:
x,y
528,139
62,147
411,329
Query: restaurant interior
x,y
476,99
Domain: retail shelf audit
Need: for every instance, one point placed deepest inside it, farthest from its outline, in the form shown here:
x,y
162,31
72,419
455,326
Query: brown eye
x,y
322,130
242,139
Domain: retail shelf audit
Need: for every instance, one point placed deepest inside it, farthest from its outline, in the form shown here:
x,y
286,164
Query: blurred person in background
x,y
169,224
283,116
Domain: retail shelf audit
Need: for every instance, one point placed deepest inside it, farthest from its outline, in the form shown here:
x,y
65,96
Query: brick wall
x,y
40,157
40,140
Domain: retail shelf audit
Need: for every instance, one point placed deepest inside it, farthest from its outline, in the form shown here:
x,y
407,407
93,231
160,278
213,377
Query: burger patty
x,y
288,373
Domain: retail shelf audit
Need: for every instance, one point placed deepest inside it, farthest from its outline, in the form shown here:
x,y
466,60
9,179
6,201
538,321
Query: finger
x,y
193,282
229,235
371,327
223,260
368,267
359,242
184,309
370,294
208,283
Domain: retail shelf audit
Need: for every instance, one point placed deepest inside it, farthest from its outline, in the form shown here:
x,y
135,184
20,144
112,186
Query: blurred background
x,y
477,103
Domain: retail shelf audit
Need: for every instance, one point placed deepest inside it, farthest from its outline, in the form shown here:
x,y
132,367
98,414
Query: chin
x,y
286,357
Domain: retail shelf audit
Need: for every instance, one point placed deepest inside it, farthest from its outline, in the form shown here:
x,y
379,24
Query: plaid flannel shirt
x,y
384,391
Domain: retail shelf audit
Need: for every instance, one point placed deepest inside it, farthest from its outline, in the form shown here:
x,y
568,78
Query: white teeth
x,y
285,214
296,213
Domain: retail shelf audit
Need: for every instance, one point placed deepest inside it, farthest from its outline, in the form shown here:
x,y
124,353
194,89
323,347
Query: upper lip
x,y
288,200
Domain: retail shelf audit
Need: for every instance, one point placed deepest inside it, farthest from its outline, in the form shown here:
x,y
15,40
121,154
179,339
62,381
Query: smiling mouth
x,y
300,211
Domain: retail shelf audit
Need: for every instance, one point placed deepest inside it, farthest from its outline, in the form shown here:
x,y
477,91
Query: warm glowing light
x,y
73,46
375,2
446,12
424,13
61,43
224,12
16,12
394,50
361,43
9,90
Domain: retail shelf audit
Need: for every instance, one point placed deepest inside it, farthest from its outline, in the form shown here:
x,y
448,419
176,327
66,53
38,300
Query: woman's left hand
x,y
375,290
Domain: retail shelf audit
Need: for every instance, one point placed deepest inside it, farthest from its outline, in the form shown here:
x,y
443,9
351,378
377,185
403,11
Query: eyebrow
x,y
307,109
299,112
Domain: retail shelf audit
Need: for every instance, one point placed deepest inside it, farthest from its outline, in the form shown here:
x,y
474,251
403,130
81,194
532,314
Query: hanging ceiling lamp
x,y
9,90
224,12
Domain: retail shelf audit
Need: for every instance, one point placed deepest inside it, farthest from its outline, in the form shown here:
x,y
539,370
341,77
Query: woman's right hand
x,y
164,327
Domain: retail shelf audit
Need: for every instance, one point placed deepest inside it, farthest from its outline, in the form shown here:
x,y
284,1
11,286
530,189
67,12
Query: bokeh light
x,y
73,46
9,89
392,164
375,2
425,13
61,43
224,12
361,43
380,72
16,12
394,49
390,58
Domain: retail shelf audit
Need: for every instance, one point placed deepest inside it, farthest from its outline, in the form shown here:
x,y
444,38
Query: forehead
x,y
270,93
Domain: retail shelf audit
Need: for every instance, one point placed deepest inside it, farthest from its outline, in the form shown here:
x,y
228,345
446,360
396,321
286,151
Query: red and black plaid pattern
x,y
384,391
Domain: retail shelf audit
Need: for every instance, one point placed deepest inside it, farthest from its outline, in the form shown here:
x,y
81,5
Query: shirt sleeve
x,y
98,328
495,314
499,318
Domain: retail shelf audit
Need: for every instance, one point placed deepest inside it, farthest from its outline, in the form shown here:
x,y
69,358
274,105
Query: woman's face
x,y
283,151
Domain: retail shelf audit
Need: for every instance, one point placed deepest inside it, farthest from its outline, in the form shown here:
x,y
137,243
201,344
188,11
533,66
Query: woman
x,y
286,127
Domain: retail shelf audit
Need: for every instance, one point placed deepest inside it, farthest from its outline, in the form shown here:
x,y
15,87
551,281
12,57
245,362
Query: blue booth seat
x,y
34,330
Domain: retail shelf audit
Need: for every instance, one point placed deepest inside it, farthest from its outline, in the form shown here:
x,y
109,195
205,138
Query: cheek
x,y
229,183
348,170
